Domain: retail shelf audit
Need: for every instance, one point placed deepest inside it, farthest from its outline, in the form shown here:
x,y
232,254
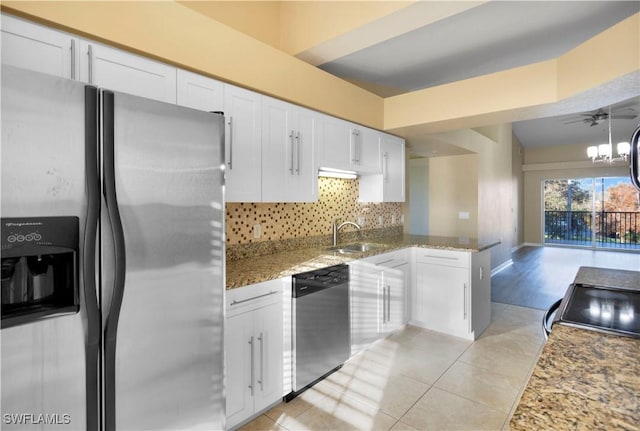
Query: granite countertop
x,y
243,272
585,380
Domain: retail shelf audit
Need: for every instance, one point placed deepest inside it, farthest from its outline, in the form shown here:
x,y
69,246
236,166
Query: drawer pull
x,y
253,297
441,257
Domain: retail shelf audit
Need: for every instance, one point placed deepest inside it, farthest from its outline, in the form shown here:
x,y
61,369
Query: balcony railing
x,y
617,229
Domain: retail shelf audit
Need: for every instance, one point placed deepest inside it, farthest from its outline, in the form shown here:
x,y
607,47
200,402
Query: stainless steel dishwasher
x,y
321,332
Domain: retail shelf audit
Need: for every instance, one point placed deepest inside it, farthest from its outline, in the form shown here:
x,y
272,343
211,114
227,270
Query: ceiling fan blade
x,y
582,120
623,117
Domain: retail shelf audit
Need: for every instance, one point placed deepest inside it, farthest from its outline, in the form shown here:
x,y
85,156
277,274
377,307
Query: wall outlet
x,y
257,230
361,221
380,220
393,219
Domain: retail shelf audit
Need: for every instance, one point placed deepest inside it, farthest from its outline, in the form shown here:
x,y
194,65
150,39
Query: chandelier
x,y
603,153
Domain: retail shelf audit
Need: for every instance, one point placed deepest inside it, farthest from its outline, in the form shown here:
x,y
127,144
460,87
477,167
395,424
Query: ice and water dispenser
x,y
39,268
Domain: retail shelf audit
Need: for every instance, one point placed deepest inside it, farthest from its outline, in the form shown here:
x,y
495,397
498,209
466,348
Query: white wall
x,y
453,188
418,196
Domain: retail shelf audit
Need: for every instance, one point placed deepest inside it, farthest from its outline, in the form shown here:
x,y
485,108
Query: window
x,y
592,212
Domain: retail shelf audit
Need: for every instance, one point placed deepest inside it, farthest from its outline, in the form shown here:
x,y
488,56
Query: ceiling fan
x,y
593,118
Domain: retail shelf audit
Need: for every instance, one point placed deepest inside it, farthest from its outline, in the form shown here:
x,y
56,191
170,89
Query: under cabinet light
x,y
337,173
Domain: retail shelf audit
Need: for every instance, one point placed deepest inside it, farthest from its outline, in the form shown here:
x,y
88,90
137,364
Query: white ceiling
x,y
493,36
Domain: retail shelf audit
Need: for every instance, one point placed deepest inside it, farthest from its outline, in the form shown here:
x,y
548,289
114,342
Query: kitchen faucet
x,y
337,227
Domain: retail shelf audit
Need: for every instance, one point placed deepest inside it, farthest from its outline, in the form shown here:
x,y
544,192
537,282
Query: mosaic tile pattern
x,y
337,198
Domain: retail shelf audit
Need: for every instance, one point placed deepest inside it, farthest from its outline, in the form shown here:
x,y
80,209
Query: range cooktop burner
x,y
602,308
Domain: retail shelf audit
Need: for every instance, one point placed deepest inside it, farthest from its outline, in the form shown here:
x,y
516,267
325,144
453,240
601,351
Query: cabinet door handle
x,y
298,147
441,257
235,302
354,157
389,303
73,59
465,301
292,150
261,339
385,167
252,366
230,163
384,304
90,55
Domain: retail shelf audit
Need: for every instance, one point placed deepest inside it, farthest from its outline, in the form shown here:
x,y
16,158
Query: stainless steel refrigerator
x,y
112,260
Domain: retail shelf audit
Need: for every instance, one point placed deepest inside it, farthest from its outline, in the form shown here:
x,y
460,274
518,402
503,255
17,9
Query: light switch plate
x,y
361,221
257,231
463,215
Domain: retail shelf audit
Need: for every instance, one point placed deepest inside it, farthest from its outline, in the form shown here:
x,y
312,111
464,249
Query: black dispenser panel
x,y
39,268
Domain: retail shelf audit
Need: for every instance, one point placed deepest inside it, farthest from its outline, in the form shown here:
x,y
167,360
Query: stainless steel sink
x,y
360,247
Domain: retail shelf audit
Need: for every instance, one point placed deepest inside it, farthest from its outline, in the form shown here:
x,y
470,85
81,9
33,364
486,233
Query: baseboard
x,y
502,266
516,248
533,244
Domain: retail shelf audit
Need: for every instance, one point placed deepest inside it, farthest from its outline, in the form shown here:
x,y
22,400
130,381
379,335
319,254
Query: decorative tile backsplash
x,y
337,198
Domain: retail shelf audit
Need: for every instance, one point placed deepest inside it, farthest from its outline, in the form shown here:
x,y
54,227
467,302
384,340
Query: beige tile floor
x,y
422,380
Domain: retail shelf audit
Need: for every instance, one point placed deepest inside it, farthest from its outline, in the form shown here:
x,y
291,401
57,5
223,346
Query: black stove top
x,y
601,308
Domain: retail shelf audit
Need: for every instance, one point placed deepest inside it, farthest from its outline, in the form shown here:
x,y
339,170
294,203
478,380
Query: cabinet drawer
x,y
254,296
391,259
459,259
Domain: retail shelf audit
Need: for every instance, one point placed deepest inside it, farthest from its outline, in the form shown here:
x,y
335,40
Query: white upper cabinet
x,y
347,146
118,70
270,157
393,169
41,49
243,144
390,185
335,150
365,150
199,92
289,134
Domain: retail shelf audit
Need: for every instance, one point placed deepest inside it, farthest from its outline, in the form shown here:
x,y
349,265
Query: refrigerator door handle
x,y
94,324
111,325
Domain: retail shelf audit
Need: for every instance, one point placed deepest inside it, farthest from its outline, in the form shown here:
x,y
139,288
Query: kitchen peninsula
x,y
585,379
247,269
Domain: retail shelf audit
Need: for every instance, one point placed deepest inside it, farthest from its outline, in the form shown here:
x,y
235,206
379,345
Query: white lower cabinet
x,y
452,292
378,297
253,350
395,279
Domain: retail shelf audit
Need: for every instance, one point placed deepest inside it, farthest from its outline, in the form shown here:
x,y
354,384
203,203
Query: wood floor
x,y
540,275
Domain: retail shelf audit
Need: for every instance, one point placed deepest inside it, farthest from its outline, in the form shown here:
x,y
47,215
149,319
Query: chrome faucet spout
x,y
337,227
